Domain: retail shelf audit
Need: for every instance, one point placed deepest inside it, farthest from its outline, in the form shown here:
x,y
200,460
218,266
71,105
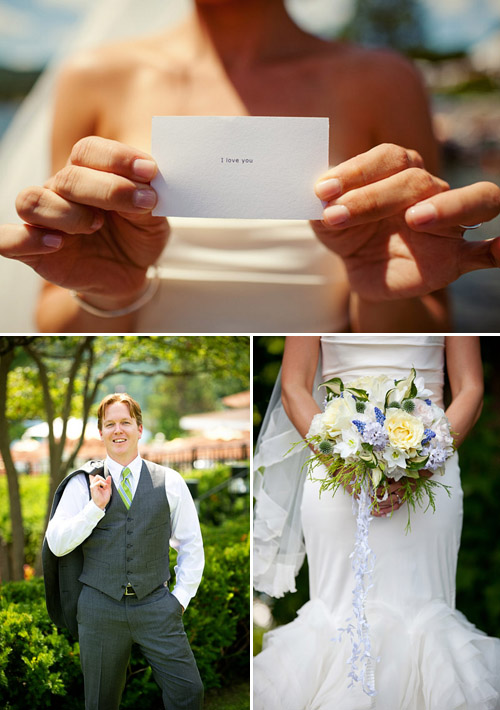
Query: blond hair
x,y
133,407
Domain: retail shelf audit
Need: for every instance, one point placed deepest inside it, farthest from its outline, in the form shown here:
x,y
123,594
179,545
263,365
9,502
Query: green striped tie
x,y
124,488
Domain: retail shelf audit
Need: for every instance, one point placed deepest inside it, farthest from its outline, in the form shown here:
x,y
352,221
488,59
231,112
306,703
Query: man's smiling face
x,y
120,433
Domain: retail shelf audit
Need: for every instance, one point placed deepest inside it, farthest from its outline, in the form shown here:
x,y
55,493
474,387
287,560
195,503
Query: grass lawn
x,y
237,697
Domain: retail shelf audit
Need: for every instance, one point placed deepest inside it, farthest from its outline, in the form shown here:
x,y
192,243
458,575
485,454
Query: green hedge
x,y
39,666
222,505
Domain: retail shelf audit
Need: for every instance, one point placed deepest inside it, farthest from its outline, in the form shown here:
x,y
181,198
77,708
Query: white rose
x,y
442,429
316,428
376,387
362,383
404,430
425,412
338,415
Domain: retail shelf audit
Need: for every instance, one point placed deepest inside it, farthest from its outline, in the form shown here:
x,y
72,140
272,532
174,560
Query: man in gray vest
x,y
136,510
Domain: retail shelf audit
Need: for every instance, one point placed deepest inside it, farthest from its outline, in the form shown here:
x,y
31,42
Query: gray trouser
x,y
107,629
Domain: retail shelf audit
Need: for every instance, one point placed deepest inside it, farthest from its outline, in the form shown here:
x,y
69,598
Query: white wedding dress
x,y
247,276
431,657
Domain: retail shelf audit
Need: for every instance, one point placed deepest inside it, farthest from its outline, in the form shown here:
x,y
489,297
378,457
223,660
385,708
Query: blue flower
x,y
428,401
360,426
379,415
428,435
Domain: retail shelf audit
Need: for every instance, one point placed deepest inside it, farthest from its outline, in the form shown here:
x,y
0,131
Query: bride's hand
x,y
468,205
90,227
392,502
367,222
395,495
387,504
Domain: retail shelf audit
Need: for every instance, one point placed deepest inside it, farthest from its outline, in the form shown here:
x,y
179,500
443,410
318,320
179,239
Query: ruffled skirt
x,y
430,656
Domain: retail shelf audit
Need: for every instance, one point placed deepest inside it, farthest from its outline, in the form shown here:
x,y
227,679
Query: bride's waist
x,y
248,250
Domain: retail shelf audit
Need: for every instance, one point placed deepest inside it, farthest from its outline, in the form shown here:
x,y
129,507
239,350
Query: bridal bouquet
x,y
373,432
376,431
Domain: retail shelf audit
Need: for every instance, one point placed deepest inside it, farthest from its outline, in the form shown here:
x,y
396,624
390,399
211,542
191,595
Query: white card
x,y
242,167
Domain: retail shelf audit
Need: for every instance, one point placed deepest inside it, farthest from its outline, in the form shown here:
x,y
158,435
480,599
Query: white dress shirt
x,y
76,517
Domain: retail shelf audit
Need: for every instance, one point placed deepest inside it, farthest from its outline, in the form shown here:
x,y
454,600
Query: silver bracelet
x,y
470,226
145,297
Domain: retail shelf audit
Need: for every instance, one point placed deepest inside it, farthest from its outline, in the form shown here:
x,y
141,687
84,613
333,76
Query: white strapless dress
x,y
431,657
247,276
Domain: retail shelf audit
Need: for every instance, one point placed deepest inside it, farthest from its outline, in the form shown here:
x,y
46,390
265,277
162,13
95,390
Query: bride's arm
x,y
465,374
300,360
105,264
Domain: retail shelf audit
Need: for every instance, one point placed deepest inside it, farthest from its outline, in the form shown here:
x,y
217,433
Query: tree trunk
x,y
12,479
5,574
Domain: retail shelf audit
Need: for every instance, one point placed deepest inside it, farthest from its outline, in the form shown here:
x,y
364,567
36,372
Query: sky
x,y
31,29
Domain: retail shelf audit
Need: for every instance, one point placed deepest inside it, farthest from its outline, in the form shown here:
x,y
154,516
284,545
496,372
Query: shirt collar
x,y
116,468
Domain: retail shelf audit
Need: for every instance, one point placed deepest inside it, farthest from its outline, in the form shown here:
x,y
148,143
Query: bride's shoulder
x,y
386,91
371,66
119,61
97,64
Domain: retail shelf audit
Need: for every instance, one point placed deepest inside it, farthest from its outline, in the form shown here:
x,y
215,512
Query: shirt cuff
x,y
182,596
93,513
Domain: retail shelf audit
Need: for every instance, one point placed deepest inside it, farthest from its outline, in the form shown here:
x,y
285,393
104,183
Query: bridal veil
x,y
279,474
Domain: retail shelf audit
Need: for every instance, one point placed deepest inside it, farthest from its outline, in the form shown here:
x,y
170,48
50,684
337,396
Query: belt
x,y
130,591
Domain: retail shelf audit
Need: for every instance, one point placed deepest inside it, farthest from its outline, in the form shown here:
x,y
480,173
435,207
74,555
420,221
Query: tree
x,y
173,398
396,24
62,376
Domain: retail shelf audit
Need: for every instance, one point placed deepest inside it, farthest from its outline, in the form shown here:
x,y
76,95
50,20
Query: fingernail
x,y
144,198
97,223
424,213
144,169
336,214
328,189
52,240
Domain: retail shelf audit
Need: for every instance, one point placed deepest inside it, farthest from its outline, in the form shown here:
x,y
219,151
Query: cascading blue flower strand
x,y
361,661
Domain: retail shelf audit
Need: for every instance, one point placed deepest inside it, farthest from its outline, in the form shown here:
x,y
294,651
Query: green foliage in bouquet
x,y
417,490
